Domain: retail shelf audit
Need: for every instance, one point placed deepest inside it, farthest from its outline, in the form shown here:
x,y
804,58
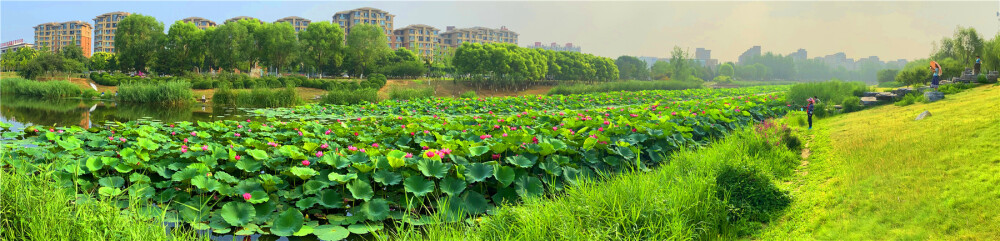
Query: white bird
x,y
93,86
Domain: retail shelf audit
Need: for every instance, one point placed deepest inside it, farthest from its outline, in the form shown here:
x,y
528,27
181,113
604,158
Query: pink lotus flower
x,y
425,147
52,130
600,128
305,162
446,151
555,128
319,154
237,157
362,150
403,127
534,139
408,155
375,145
247,196
193,133
327,132
184,146
352,148
427,132
204,148
239,126
355,134
171,125
248,120
673,113
172,133
237,134
324,146
607,123
184,150
185,140
430,154
60,131
496,156
300,133
122,139
504,135
110,138
484,137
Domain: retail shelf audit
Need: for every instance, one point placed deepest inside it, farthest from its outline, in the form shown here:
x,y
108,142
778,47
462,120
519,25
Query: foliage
x,y
170,92
322,46
257,97
278,44
31,88
829,92
727,70
956,88
361,167
964,46
751,195
15,60
350,96
366,45
138,41
184,48
891,84
103,61
914,75
73,52
622,86
770,66
375,81
991,54
887,75
660,70
631,68
468,95
43,64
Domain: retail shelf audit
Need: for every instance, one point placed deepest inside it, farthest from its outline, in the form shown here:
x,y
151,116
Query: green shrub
x,y
469,95
374,81
89,94
32,88
750,195
828,91
155,92
224,96
399,93
983,80
955,88
911,98
891,84
350,97
851,104
633,85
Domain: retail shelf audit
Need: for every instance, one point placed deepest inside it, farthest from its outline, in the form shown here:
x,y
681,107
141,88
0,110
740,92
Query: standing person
x,y
809,110
976,68
936,68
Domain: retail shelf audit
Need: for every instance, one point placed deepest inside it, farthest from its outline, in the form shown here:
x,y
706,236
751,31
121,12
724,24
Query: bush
x,y
374,81
955,88
983,80
350,97
155,92
911,98
750,195
89,94
47,89
851,104
828,91
891,84
399,93
469,95
633,85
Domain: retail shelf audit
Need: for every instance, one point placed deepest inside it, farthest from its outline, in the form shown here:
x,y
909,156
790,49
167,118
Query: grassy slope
x,y
879,174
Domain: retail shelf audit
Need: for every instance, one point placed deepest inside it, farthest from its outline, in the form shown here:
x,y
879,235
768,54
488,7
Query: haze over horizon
x,y
889,30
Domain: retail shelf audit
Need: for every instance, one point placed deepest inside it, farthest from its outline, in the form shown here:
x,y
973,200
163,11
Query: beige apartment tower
x,y
104,31
55,36
422,39
365,15
299,23
454,37
199,22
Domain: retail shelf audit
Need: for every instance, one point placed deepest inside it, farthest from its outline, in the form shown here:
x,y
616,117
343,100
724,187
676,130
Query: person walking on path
x,y
936,68
975,68
809,110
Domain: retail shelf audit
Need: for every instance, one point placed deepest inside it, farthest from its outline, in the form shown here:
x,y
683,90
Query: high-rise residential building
x,y
702,53
422,39
454,37
13,45
555,47
55,36
104,30
750,53
799,55
234,19
299,23
365,15
199,22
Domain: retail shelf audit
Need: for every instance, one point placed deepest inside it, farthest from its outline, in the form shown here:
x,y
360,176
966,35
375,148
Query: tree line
x,y
507,65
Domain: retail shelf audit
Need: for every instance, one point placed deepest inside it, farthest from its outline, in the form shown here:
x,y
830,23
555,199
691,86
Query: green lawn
x,y
880,175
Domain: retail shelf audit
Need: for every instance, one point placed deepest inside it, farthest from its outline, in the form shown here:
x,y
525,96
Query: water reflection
x,y
22,112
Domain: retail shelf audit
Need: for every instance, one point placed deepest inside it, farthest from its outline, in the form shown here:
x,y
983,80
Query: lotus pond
x,y
334,171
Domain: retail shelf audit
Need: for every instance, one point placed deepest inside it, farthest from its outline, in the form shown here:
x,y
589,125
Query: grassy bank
x,y
350,97
35,206
724,190
632,85
880,175
257,98
155,92
32,88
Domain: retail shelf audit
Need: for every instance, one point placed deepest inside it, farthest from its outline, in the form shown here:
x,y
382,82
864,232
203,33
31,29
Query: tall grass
x,y
632,85
155,92
725,191
402,93
32,88
35,206
257,97
829,92
350,97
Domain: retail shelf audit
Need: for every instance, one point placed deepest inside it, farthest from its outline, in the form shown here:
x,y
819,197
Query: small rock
x,y
923,115
932,96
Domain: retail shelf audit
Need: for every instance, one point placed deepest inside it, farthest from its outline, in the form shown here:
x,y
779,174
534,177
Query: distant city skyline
x,y
889,30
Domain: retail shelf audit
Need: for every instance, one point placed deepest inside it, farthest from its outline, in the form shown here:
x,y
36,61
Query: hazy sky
x,y
890,30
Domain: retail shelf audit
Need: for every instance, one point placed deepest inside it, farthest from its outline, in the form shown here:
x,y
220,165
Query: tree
x,y
964,45
231,46
887,75
631,68
15,60
137,41
322,48
277,43
660,70
727,70
102,61
184,48
991,54
45,63
366,45
912,76
73,52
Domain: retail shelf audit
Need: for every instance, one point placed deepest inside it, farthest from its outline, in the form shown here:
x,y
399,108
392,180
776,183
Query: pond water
x,y
22,112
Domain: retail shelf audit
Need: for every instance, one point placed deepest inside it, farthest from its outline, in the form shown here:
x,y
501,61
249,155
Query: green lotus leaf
x,y
287,223
395,158
94,164
363,228
387,178
478,150
477,172
376,209
313,187
432,168
505,175
109,191
306,203
528,186
257,197
342,178
331,232
238,213
303,172
521,161
418,186
361,190
452,186
205,183
115,182
259,155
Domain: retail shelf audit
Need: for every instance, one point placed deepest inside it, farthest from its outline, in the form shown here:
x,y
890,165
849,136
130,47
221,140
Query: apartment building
x,y
422,39
104,30
555,47
55,36
365,15
299,23
199,22
11,46
454,37
234,19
